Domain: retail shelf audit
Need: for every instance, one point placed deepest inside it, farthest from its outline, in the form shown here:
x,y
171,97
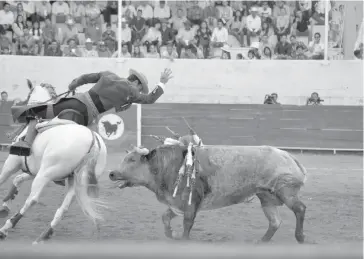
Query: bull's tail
x,y
301,167
86,184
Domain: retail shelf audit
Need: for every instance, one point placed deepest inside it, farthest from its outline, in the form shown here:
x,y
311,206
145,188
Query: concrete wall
x,y
202,81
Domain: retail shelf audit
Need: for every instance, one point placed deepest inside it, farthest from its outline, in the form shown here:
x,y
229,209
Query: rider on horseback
x,y
110,91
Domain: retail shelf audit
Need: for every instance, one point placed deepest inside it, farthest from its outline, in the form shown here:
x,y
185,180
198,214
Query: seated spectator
x,y
195,13
162,11
103,51
268,30
93,14
265,11
37,33
89,51
237,27
49,33
314,99
72,50
5,51
70,31
29,9
251,54
147,11
18,27
271,99
299,55
43,10
239,56
277,10
189,53
138,25
4,96
169,53
137,53
225,12
53,49
184,37
5,42
282,24
264,43
24,50
225,55
26,39
318,14
253,24
266,53
93,31
177,21
203,38
152,52
220,35
35,51
295,44
124,52
283,48
6,17
300,24
60,9
211,14
254,48
126,34
128,10
316,48
153,36
109,37
111,9
167,33
20,11
178,5
78,12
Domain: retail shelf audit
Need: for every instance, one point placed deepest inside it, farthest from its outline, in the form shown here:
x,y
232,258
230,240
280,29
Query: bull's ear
x,y
30,85
150,155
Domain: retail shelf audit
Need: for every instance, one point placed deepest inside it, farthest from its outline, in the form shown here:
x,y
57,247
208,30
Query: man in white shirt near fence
x,y
254,24
220,35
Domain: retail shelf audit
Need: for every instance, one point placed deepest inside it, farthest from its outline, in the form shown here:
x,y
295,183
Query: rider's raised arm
x,y
148,98
91,78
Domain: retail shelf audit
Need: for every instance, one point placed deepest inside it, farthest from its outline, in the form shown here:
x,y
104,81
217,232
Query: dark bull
x,y
226,176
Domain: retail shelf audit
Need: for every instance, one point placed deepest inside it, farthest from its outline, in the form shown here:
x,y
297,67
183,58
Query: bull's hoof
x,y
2,235
4,212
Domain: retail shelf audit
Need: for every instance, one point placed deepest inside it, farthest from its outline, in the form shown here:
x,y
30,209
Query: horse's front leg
x,y
47,234
18,180
167,217
190,213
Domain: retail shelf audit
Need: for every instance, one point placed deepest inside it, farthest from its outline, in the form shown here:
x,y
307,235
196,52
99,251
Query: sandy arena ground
x,y
333,195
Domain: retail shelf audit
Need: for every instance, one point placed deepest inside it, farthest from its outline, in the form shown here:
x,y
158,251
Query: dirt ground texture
x,y
333,195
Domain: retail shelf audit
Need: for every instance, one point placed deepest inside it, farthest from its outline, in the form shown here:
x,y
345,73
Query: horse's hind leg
x,y
18,180
269,205
167,217
37,187
59,213
289,196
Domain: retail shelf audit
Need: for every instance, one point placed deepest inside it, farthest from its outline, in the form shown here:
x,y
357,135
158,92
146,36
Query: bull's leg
x,y
167,217
18,180
270,210
190,214
289,197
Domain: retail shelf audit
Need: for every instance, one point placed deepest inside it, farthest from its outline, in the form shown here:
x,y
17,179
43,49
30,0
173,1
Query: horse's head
x,y
40,93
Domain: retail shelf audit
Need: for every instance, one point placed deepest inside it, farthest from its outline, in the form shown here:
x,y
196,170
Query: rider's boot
x,y
23,147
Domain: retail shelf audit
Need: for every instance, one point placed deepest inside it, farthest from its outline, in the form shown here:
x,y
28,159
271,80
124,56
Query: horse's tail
x,y
86,184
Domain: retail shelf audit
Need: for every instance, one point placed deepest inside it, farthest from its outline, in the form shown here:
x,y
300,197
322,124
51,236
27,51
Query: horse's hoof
x,y
4,212
2,235
175,235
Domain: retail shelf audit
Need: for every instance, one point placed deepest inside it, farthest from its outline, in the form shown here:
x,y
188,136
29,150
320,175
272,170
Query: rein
x,y
65,93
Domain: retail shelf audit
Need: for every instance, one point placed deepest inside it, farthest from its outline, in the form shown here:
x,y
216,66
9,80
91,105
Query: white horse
x,y
37,95
65,150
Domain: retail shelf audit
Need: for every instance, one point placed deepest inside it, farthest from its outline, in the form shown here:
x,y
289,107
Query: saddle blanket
x,y
48,124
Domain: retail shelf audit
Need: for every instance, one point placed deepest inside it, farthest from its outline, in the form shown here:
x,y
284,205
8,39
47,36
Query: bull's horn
x,y
142,150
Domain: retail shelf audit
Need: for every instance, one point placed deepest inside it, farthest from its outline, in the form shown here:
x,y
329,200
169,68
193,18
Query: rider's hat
x,y
143,80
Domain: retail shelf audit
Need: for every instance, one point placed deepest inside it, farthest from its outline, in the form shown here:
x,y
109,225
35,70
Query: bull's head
x,y
134,169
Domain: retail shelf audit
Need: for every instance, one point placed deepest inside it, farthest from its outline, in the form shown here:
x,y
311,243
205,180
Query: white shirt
x,y
29,7
147,11
220,35
126,34
6,18
152,35
317,47
253,24
265,13
90,53
162,13
60,8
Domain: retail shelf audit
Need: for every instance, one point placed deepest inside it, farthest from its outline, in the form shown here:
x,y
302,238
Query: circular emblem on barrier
x,y
111,126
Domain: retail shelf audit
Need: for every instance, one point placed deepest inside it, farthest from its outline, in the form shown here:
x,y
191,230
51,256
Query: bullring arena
x,y
221,98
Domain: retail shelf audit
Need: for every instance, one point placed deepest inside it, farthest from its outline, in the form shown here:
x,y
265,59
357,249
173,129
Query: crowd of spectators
x,y
160,29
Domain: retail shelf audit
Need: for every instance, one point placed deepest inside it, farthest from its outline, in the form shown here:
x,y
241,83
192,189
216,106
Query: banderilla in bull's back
x,y
226,176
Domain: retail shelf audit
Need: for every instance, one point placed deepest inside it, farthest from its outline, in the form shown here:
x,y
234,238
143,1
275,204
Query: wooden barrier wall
x,y
284,126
